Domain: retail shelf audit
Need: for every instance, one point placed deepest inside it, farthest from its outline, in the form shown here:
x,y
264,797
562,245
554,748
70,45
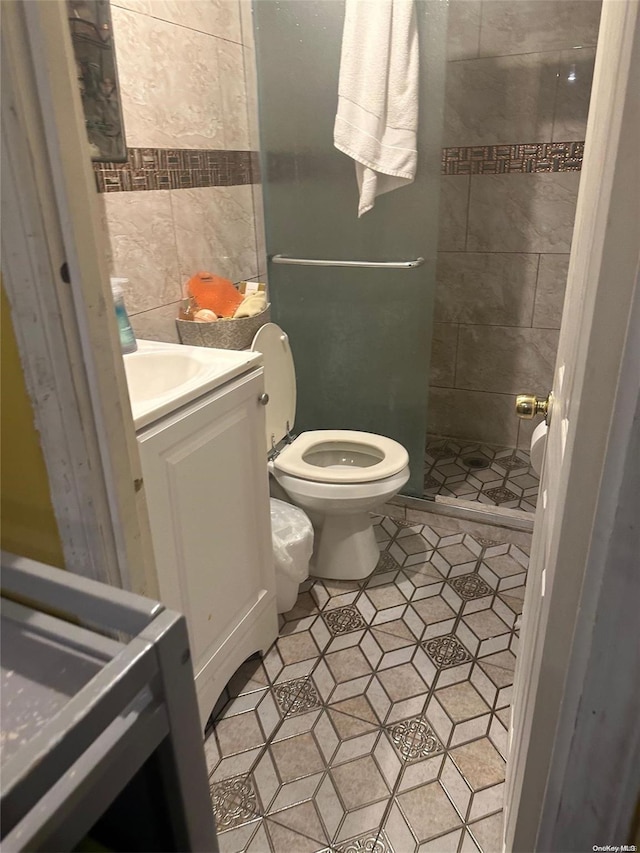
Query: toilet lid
x,y
279,381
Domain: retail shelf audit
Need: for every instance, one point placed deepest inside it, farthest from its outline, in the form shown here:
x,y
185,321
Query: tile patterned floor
x,y
378,720
493,475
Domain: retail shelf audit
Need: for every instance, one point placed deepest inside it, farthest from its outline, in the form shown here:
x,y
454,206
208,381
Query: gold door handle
x,y
528,406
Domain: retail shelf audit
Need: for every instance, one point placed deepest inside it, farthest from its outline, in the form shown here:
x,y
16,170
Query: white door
x,y
595,384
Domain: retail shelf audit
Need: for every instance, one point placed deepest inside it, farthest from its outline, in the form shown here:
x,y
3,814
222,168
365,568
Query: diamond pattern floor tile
x,y
358,707
234,802
414,739
470,586
428,811
487,833
297,757
297,696
354,791
479,472
447,651
377,722
402,682
396,634
284,839
348,664
343,620
461,713
303,819
422,575
239,733
297,647
462,701
457,559
370,842
479,763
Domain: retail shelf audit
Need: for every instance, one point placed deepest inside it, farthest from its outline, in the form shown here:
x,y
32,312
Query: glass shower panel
x,y
361,337
518,85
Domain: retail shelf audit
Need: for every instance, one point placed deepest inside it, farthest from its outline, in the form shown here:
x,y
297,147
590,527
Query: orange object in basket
x,y
214,292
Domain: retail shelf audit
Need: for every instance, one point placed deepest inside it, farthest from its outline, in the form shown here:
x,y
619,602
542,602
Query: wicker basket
x,y
222,334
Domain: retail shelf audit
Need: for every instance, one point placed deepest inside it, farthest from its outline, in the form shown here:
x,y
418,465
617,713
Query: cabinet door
x,y
205,474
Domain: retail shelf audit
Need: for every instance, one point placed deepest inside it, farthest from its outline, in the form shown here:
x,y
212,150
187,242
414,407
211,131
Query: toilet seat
x,y
322,456
342,456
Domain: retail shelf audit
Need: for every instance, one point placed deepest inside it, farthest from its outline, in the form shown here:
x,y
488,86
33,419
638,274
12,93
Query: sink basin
x,y
154,374
163,377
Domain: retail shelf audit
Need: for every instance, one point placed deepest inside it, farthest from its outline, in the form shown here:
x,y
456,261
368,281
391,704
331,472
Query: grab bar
x,y
388,265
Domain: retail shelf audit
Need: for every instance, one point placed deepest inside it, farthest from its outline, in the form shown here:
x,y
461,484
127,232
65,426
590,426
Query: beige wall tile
x,y
454,199
443,354
184,88
525,26
143,247
494,288
233,94
575,76
473,415
552,281
500,99
506,360
463,29
169,81
216,17
215,231
251,84
522,213
158,324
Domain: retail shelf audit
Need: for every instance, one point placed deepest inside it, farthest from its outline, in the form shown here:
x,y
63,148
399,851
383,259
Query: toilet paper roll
x,y
538,444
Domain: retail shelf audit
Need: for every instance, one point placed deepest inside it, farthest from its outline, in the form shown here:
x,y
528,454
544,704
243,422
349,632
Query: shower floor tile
x,y
378,719
497,476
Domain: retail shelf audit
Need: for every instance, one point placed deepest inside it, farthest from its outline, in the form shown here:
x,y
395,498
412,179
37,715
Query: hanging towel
x,y
377,118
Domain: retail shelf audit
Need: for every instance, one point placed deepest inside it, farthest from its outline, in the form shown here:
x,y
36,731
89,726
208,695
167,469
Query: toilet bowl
x,y
336,476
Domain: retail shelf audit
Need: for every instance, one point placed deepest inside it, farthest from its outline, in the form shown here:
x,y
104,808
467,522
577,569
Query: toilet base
x,y
346,547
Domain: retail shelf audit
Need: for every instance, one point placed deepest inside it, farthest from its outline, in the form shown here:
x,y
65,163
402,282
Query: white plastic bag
x,y
292,536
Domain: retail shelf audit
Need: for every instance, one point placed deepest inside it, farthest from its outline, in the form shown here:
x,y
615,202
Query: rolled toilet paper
x,y
538,444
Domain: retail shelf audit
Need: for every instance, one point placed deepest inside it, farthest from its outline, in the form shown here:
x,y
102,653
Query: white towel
x,y
377,117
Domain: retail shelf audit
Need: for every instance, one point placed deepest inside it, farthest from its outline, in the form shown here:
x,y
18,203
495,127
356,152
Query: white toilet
x,y
336,476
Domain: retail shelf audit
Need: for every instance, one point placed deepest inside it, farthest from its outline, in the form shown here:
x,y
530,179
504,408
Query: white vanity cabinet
x,y
205,477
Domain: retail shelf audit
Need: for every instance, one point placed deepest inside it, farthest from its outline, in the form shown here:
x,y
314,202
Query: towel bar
x,y
310,262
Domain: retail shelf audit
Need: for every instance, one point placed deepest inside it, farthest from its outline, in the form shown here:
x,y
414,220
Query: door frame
x,y
54,263
579,646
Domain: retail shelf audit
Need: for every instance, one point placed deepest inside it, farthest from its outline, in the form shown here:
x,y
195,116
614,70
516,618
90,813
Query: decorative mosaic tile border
x,y
517,158
186,168
177,168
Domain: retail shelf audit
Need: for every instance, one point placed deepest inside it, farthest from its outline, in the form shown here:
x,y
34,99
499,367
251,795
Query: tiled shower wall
x,y
188,199
518,74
